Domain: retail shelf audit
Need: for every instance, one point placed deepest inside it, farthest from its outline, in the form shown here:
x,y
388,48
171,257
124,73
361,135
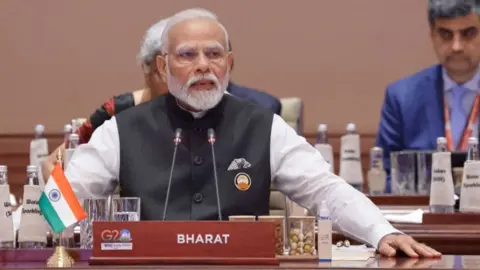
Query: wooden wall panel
x,y
14,152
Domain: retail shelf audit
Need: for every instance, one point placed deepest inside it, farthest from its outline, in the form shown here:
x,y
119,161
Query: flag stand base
x,y
60,259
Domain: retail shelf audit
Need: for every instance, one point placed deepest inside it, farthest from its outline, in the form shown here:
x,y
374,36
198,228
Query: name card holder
x,y
451,218
183,242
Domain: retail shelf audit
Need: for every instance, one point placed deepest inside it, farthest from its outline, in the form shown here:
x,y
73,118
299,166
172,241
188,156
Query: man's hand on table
x,y
391,243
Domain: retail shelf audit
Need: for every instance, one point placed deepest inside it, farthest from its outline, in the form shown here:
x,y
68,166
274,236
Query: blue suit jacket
x,y
412,114
256,96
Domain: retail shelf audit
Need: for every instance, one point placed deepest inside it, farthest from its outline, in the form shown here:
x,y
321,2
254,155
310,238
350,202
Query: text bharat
x,y
202,238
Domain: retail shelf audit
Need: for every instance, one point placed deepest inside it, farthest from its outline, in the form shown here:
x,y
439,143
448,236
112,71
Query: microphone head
x,y
178,136
211,135
178,133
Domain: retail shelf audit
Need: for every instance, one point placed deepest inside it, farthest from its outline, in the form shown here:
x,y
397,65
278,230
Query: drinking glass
x,y
403,172
126,209
96,210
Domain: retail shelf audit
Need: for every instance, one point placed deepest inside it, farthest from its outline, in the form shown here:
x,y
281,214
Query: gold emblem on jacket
x,y
242,181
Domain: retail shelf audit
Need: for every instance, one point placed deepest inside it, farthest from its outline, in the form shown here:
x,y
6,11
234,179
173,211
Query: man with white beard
x,y
254,147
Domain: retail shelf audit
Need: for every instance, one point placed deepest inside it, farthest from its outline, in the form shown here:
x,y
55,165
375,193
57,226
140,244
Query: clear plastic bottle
x,y
324,234
322,135
352,129
32,175
3,175
442,144
32,180
434,208
7,205
73,141
376,158
376,176
39,131
67,130
472,154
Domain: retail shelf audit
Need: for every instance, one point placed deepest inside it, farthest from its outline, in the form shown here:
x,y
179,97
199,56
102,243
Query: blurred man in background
x,y
441,100
256,96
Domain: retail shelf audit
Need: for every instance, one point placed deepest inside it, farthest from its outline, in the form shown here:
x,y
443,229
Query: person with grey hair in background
x,y
441,100
154,86
254,148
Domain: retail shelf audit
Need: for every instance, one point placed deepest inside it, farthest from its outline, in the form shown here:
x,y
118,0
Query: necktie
x,y
458,116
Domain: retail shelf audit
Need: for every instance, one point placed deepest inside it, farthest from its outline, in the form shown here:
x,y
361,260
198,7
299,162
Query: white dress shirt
x,y
297,168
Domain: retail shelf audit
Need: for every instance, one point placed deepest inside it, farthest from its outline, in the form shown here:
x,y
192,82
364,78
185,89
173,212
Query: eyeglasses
x,y
192,55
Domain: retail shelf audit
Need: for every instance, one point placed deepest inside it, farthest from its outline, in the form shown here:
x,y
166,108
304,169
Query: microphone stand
x,y
211,140
177,140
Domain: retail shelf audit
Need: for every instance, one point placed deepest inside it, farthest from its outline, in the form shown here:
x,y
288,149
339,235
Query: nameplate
x,y
183,242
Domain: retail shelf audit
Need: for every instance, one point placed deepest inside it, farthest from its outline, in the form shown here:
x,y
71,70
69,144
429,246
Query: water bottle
x,y
376,175
32,180
67,130
351,128
3,175
324,234
73,140
32,175
7,206
437,208
442,144
322,135
39,131
472,154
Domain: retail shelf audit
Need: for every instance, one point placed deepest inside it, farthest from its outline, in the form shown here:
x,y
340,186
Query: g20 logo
x,y
116,235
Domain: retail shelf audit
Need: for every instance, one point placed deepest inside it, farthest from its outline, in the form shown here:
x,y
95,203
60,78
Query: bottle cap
x,y
32,168
3,168
351,127
39,129
441,140
376,149
472,140
67,128
322,128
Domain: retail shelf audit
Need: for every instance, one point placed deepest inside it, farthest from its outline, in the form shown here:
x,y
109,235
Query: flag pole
x,y
60,257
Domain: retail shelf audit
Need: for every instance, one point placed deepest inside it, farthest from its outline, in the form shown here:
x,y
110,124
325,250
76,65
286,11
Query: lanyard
x,y
467,132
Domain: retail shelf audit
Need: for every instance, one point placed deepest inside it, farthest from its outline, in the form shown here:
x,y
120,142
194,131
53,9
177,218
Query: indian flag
x,y
58,202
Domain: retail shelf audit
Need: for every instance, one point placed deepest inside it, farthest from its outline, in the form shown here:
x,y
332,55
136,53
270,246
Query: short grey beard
x,y
201,100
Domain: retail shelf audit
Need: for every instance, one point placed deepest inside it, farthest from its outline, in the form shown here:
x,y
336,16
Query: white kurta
x,y
297,168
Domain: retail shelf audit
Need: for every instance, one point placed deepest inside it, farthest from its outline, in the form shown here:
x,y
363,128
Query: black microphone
x,y
211,140
176,141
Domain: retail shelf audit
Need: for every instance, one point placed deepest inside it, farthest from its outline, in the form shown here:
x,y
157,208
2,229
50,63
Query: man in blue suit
x,y
437,101
256,96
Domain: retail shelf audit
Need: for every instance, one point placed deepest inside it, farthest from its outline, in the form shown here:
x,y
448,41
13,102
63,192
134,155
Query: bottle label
x,y
6,220
377,181
33,226
324,239
350,163
469,199
441,188
38,154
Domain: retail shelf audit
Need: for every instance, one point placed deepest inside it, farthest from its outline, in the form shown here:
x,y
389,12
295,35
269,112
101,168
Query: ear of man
x,y
161,63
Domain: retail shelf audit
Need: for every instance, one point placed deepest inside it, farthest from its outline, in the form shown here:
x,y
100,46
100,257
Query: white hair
x,y
190,14
151,44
